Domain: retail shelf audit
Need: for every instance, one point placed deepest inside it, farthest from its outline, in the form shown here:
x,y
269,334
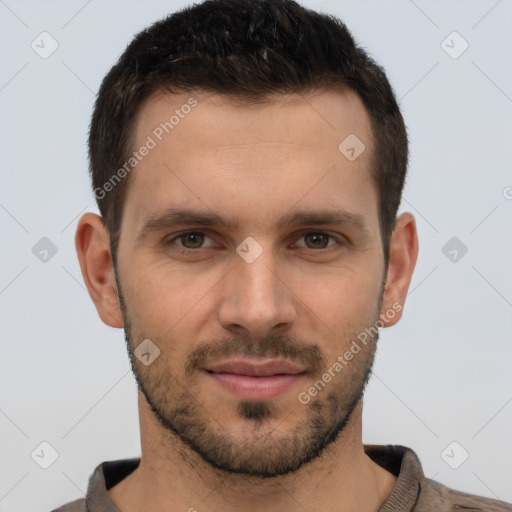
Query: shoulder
x,y
74,506
435,496
414,491
105,476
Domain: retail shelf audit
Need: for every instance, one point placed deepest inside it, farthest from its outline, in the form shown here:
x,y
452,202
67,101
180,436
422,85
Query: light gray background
x,y
441,375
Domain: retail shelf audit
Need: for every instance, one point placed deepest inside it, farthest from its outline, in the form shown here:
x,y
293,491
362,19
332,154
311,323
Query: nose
x,y
256,299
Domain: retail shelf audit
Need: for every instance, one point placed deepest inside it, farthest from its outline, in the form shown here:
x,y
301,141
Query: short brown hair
x,y
249,50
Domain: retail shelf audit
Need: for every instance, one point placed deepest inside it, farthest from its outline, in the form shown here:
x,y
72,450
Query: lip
x,y
256,379
264,367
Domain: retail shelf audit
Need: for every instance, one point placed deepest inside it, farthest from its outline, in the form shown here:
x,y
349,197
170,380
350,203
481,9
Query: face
x,y
250,256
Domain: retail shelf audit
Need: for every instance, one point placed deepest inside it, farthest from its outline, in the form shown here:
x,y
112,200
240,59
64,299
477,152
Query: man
x,y
248,161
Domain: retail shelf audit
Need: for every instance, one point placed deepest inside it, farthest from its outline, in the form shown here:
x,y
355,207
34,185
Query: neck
x,y
171,476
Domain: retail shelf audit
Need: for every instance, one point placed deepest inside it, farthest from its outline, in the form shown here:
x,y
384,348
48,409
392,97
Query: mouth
x,y
256,379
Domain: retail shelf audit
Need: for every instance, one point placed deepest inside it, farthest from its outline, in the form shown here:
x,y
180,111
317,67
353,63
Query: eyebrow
x,y
172,217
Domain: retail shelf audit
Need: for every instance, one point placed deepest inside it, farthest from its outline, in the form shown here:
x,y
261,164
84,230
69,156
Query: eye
x,y
317,240
194,240
190,240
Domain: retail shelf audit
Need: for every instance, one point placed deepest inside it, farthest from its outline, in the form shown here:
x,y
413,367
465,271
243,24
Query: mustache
x,y
272,346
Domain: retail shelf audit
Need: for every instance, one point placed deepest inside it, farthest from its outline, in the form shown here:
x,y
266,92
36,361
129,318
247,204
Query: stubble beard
x,y
262,450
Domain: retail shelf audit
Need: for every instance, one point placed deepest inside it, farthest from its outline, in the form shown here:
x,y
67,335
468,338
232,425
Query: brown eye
x,y
192,240
317,240
190,243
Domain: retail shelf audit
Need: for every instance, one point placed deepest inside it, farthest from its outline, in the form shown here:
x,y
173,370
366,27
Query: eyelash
x,y
186,250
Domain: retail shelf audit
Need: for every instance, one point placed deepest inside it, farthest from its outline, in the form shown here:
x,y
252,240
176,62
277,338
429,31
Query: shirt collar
x,y
399,460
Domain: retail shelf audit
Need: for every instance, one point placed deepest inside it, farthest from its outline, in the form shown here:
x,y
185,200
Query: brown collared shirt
x,y
413,492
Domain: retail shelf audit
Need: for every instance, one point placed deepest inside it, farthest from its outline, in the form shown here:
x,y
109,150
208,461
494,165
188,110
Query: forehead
x,y
214,119
215,152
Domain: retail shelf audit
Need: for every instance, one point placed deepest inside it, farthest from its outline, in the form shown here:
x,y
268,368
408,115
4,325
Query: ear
x,y
93,249
403,252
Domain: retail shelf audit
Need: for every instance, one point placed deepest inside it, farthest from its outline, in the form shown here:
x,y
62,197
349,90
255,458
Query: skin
x,y
252,165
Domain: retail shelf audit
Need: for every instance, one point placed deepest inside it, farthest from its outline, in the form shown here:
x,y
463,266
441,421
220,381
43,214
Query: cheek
x,y
343,301
170,301
163,307
163,298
